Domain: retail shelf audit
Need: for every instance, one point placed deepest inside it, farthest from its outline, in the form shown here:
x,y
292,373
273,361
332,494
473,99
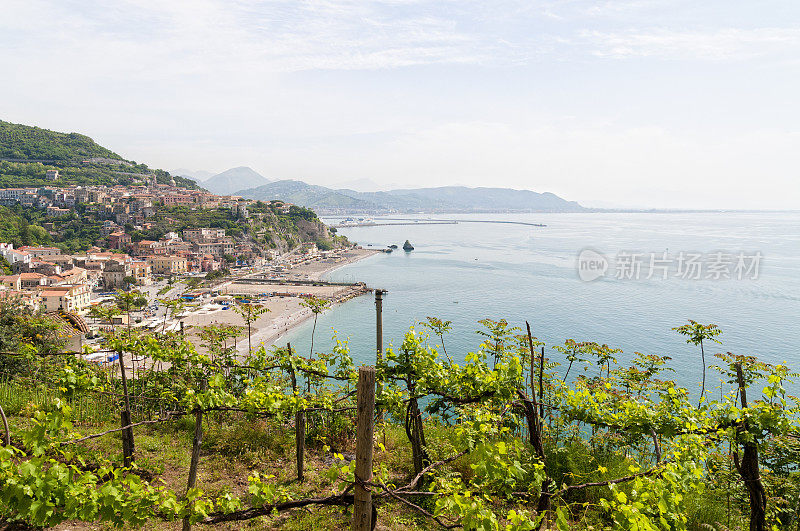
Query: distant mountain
x,y
442,199
27,152
234,179
307,195
360,185
196,175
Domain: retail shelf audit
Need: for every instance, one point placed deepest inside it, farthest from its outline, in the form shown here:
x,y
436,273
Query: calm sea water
x,y
470,271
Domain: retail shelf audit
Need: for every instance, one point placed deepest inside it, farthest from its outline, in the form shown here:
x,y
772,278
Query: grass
x,y
233,448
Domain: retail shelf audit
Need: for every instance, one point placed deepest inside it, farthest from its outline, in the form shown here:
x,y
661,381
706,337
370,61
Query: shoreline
x,y
285,312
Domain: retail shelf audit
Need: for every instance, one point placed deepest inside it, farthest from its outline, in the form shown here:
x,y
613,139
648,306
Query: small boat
x,y
407,246
392,246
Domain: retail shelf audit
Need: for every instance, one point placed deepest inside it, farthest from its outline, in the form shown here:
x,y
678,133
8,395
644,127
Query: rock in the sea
x,y
407,246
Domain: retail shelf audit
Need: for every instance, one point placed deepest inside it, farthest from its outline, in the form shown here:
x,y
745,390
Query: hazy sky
x,y
641,102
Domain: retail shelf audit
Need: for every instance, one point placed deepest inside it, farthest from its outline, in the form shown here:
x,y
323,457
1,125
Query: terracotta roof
x,y
67,322
54,292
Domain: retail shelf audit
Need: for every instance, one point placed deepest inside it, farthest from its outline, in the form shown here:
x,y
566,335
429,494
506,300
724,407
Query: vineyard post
x,y
365,425
299,423
198,439
127,435
748,467
379,338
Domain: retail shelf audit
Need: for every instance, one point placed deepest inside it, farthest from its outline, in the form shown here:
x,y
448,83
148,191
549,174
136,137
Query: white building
x,y
13,256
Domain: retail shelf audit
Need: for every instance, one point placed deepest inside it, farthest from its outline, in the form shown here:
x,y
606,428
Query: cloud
x,y
271,36
570,96
716,45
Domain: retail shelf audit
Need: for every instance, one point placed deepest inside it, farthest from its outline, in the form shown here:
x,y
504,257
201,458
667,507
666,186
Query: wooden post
x,y
198,439
299,425
300,441
128,448
748,468
379,321
362,495
379,341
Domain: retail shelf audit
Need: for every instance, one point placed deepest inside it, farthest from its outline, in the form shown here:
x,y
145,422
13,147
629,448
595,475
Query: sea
x,y
624,279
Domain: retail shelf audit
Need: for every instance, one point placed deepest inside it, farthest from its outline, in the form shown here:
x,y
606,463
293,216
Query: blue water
x,y
470,271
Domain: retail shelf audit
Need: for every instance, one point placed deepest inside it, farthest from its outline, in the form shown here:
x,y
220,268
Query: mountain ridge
x,y
434,199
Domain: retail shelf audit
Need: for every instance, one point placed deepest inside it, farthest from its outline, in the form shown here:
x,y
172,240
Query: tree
x,y
440,328
317,306
21,326
497,334
696,333
250,313
130,301
5,267
172,305
104,313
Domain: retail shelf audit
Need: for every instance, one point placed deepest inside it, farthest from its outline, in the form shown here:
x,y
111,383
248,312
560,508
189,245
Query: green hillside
x,y
27,152
34,143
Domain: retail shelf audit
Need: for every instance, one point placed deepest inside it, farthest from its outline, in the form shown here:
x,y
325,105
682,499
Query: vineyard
x,y
517,435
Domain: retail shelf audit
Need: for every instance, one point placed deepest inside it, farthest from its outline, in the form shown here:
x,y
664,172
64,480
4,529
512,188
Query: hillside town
x,y
46,277
123,203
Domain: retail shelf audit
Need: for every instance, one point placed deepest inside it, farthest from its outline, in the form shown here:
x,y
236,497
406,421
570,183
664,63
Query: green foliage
x,y
34,150
26,142
27,332
219,273
622,447
5,267
20,227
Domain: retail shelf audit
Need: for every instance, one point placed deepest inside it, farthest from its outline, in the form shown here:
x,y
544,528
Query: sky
x,y
632,103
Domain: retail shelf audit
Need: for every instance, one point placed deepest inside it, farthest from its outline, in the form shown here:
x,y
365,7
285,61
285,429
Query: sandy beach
x,y
285,309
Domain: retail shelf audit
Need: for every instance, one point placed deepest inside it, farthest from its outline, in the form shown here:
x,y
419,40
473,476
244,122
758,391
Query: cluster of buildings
x,y
124,204
42,276
45,276
202,250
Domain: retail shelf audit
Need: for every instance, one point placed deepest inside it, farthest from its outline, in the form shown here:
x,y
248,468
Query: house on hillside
x,y
69,297
38,252
13,256
168,265
119,240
